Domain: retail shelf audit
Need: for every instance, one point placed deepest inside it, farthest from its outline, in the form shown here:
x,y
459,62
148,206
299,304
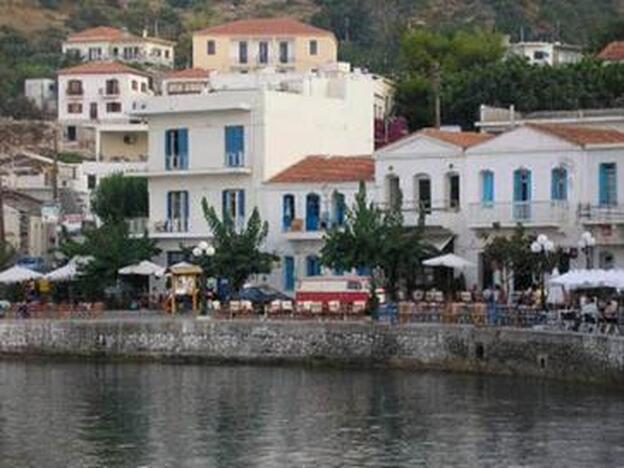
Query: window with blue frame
x,y
234,145
607,184
176,149
177,211
559,184
339,209
522,194
313,266
288,211
487,188
233,205
313,212
289,273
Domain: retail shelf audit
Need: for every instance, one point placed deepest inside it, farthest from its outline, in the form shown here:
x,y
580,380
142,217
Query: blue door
x,y
313,212
289,273
607,184
522,194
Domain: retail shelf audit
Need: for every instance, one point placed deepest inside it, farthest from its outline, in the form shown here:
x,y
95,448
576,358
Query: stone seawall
x,y
451,347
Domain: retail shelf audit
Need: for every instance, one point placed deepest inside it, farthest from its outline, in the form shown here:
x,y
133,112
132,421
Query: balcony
x,y
74,92
441,213
601,214
297,231
533,213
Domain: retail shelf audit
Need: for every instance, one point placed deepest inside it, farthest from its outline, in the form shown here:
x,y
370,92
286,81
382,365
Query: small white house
x,y
42,93
546,53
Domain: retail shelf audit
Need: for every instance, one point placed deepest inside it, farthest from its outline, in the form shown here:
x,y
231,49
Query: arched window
x,y
487,187
288,211
522,194
313,212
339,209
559,184
393,191
422,192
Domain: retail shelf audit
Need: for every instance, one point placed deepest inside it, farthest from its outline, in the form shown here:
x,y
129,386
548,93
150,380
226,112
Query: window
x,y
263,52
522,194
606,260
559,184
135,85
91,181
95,53
283,52
289,273
313,212
313,47
166,53
211,47
71,133
393,191
176,149
313,266
422,195
607,184
130,53
175,256
177,211
453,188
115,52
74,87
540,55
74,108
234,145
112,87
487,188
242,52
144,87
339,209
113,107
234,205
288,211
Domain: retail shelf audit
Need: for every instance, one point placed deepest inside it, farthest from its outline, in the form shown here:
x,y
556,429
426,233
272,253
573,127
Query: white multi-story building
x,y
305,200
223,145
546,53
96,100
558,180
106,43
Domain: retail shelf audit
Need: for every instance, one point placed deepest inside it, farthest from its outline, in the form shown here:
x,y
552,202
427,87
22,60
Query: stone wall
x,y
450,347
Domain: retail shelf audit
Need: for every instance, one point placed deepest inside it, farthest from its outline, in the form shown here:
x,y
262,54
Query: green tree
x,y
238,252
111,248
117,198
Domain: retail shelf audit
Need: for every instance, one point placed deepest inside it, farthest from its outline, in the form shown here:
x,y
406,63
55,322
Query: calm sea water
x,y
72,415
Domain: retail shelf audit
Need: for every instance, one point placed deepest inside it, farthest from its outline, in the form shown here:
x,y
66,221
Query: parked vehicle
x,y
346,289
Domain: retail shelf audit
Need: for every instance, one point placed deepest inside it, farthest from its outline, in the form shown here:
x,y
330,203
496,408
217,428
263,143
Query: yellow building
x,y
284,44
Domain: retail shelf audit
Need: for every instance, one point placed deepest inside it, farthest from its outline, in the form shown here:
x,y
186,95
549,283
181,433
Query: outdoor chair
x,y
334,307
359,307
235,308
316,308
275,307
247,307
287,307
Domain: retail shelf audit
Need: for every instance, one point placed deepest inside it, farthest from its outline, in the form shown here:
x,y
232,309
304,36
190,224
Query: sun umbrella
x,y
449,261
18,274
144,268
69,271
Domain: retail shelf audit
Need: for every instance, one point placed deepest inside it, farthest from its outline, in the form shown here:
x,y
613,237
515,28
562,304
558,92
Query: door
x,y
93,111
522,194
313,212
289,273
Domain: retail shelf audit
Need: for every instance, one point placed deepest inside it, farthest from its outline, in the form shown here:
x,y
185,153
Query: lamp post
x,y
202,252
586,244
543,247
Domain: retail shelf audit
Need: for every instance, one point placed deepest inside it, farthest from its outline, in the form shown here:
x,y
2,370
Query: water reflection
x,y
58,414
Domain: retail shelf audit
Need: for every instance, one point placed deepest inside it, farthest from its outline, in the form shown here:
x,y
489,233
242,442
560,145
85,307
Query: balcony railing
x,y
172,225
235,159
601,214
543,213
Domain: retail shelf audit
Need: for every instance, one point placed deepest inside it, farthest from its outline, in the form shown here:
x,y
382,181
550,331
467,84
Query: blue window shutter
x,y
241,204
240,144
529,185
517,183
168,149
234,145
228,146
183,147
312,212
490,186
289,273
564,184
487,187
554,184
224,212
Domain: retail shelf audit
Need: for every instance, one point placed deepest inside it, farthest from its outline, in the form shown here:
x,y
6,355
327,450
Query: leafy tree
x,y
111,248
238,253
118,198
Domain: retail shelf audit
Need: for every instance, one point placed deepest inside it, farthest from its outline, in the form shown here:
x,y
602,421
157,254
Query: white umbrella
x,y
555,291
18,274
69,271
578,279
449,261
144,268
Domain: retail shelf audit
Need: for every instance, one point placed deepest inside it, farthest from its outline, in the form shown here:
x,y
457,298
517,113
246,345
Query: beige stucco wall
x,y
113,146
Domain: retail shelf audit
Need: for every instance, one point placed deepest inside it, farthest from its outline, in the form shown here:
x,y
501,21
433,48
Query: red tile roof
x,y
101,67
462,139
328,169
582,135
614,51
107,33
189,73
267,26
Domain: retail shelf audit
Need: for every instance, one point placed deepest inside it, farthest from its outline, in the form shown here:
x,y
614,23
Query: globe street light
x,y
543,247
202,252
587,244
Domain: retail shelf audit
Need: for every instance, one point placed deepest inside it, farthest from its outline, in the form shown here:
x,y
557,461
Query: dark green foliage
x,y
118,198
238,253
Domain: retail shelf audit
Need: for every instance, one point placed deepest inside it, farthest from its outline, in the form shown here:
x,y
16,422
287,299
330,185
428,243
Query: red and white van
x,y
346,289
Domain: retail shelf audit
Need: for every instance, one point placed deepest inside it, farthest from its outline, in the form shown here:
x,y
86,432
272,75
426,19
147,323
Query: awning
x,y
18,274
144,268
449,261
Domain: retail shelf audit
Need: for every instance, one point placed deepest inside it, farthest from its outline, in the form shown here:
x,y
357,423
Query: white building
x,y
96,100
223,145
546,53
42,93
106,43
305,200
187,81
553,179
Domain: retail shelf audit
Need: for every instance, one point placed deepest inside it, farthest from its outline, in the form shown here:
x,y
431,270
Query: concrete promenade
x,y
465,348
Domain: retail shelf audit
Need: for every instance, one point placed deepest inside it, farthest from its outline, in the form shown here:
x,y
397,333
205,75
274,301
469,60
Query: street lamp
x,y
202,252
543,247
586,244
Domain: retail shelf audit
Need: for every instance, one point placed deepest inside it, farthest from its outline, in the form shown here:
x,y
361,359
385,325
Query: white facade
x,y
42,92
546,53
272,130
